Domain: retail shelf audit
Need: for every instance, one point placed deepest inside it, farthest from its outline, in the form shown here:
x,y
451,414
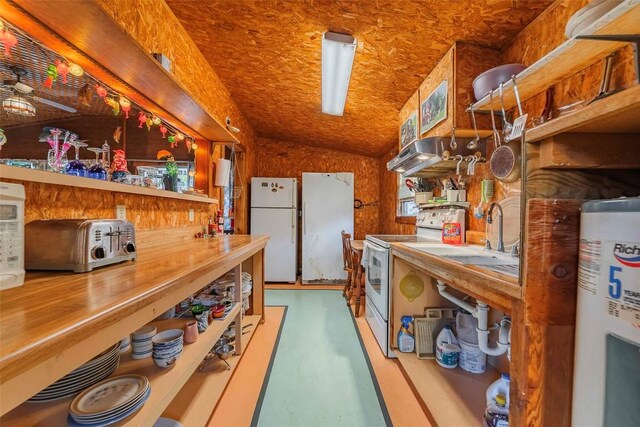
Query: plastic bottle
x,y
447,348
499,386
497,413
406,341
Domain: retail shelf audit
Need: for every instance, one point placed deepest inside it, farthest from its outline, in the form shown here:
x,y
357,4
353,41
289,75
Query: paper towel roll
x,y
223,166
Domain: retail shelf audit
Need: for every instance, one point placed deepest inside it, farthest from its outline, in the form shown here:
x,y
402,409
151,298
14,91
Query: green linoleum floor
x,y
320,375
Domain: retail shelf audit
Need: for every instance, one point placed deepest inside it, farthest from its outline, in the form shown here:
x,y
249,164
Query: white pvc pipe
x,y
481,312
483,332
442,289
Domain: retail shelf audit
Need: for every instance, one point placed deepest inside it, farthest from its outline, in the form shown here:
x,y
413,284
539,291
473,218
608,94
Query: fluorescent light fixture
x,y
338,51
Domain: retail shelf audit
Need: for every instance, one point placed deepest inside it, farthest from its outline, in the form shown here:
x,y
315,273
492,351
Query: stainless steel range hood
x,y
434,156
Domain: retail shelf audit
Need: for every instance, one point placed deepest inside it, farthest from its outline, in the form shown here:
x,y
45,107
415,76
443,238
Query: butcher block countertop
x,y
57,321
496,289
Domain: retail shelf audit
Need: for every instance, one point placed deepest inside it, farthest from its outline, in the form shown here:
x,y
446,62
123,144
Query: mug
x,y
203,321
191,332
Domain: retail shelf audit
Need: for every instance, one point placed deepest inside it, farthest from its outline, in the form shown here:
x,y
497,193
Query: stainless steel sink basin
x,y
482,259
499,263
472,255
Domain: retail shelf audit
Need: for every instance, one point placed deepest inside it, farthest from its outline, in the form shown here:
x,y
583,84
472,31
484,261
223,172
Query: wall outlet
x,y
192,215
121,212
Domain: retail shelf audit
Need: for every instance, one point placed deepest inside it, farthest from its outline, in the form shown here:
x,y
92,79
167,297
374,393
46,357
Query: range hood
x,y
434,156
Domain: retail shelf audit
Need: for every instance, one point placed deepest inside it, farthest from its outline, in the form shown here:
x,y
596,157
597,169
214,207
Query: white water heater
x,y
606,383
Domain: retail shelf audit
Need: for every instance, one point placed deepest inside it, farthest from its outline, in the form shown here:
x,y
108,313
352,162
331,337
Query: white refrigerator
x,y
327,209
274,212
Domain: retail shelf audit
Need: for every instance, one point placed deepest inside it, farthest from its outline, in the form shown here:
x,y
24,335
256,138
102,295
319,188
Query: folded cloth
x,y
365,254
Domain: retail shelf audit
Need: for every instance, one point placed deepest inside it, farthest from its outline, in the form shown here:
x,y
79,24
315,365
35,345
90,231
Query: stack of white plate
x,y
141,342
90,373
109,401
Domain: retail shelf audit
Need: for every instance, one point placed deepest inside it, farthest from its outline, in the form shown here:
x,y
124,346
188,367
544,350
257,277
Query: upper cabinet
x,y
441,101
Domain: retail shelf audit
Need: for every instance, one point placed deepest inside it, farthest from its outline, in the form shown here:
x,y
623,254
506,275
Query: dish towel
x,y
365,254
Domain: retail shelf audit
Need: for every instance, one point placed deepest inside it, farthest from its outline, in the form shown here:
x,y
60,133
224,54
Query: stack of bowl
x,y
141,342
167,347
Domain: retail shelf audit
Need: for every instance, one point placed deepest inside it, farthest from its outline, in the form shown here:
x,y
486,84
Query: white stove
x,y
378,270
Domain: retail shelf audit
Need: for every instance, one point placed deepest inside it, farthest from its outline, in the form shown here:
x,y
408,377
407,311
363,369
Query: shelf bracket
x,y
634,39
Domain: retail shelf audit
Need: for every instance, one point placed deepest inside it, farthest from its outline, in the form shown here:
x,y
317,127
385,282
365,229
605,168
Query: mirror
x,y
56,117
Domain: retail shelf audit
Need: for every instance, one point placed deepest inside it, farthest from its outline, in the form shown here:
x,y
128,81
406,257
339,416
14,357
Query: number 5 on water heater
x,y
615,285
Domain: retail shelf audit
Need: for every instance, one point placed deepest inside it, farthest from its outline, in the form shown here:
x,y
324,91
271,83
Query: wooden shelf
x,y
165,383
197,399
33,175
617,113
84,314
453,397
571,56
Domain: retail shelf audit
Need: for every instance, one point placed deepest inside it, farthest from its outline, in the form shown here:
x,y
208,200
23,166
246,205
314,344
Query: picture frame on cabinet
x,y
433,109
409,130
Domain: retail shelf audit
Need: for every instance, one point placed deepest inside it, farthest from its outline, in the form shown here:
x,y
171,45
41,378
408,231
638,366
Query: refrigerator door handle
x,y
293,225
304,217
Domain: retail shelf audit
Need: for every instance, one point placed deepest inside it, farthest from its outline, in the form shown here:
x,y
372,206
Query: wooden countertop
x,y
495,289
57,321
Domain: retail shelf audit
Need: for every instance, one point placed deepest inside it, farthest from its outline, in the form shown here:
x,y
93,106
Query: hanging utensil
x,y
410,184
453,144
520,123
505,162
496,134
506,126
473,144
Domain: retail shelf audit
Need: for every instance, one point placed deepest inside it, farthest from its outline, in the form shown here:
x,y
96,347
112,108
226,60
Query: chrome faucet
x,y
500,247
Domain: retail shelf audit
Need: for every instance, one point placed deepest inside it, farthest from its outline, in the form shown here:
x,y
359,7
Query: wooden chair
x,y
358,279
347,260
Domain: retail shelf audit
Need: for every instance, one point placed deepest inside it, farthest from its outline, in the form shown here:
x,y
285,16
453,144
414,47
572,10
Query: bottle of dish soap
x,y
447,348
406,341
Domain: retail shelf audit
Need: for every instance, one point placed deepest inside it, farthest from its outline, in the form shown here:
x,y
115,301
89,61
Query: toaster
x,y
78,244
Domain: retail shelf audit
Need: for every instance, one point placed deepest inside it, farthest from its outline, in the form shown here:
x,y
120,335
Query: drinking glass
x,y
57,161
76,167
97,171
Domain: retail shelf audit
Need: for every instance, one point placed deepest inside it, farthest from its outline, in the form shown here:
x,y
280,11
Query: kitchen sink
x,y
472,255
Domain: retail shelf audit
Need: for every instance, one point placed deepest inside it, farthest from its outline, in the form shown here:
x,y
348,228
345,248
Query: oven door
x,y
377,277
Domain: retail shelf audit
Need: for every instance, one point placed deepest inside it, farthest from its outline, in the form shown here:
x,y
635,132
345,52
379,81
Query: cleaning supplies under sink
x,y
447,348
497,412
406,340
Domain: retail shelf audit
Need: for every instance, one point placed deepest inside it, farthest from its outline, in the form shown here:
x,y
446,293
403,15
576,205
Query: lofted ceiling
x,y
268,54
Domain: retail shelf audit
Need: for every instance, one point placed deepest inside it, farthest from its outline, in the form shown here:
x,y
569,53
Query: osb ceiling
x,y
268,54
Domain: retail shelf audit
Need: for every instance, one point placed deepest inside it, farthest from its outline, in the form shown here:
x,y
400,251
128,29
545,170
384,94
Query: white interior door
x,y
327,209
280,256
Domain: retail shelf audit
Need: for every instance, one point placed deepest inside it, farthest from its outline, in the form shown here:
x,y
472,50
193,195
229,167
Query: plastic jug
x,y
406,340
447,348
497,413
499,386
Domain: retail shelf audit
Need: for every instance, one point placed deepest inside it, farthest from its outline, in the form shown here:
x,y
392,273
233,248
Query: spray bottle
x,y
406,341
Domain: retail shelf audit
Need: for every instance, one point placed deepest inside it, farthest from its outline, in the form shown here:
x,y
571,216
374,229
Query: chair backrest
x,y
346,251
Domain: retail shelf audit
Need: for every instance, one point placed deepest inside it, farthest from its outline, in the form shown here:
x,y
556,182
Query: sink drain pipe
x,y
481,312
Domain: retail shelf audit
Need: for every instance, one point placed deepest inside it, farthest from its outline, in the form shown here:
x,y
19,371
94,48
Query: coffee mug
x,y
203,321
191,332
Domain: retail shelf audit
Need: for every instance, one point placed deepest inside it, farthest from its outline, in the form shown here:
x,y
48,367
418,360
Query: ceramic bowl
x,y
492,78
146,332
141,348
168,337
165,363
167,353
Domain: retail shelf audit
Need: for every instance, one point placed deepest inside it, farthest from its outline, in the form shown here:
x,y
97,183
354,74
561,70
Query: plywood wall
x,y
152,24
543,35
288,159
47,201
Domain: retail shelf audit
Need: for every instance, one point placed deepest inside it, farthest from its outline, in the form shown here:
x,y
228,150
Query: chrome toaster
x,y
78,244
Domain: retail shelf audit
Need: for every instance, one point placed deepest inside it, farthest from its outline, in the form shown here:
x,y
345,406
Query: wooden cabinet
x,y
462,63
86,313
